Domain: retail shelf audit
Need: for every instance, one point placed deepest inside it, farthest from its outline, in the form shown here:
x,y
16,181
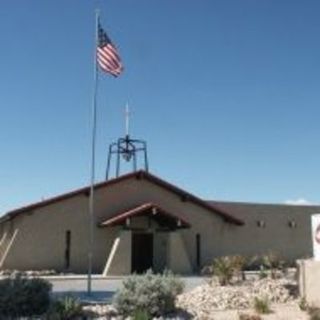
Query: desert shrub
x,y
253,263
23,297
239,264
141,315
68,308
303,305
245,316
262,272
225,268
261,305
272,262
152,293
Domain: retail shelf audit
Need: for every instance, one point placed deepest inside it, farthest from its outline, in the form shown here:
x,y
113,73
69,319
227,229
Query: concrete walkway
x,y
103,288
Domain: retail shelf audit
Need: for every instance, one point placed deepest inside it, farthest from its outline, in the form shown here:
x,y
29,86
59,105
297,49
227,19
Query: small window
x,y
67,252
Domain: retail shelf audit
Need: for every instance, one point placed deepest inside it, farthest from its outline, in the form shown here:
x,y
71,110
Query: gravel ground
x,y
289,311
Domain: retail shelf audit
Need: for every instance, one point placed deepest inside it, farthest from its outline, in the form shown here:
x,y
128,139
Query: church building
x,y
142,221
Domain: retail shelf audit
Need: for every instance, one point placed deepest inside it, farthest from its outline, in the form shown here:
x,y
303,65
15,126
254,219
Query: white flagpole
x,y
93,151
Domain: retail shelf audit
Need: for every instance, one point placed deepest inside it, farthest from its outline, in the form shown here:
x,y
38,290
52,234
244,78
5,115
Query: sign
x,y
315,225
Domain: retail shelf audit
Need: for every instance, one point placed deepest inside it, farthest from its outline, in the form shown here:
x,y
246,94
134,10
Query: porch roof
x,y
163,217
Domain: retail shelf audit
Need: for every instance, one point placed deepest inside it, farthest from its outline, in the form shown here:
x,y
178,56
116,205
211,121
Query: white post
x,y
315,224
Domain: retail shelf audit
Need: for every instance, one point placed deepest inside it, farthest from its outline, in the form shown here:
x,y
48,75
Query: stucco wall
x,y
177,255
120,262
277,235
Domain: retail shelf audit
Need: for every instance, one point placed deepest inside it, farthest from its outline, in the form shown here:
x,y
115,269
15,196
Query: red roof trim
x,y
140,210
139,175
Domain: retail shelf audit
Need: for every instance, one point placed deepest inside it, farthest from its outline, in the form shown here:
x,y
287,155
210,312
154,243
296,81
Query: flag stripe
x,y
105,65
104,54
109,69
108,65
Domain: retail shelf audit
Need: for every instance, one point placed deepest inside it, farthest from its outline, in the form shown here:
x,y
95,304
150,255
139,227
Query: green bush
x,y
141,315
68,308
262,305
23,297
152,293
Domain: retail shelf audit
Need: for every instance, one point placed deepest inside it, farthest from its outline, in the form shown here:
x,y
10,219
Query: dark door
x,y
142,252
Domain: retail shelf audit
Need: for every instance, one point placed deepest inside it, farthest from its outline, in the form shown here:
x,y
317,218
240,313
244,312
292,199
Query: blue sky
x,y
225,92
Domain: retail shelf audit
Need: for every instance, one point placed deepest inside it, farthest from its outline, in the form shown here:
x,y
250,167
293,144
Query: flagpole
x,y
93,151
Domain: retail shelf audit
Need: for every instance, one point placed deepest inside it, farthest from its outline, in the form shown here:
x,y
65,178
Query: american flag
x,y
107,54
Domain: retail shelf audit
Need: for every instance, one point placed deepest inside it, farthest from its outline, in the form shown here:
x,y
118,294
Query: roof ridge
x,y
261,203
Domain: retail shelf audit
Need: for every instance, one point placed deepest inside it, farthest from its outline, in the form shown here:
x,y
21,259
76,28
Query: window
x,y
198,250
67,250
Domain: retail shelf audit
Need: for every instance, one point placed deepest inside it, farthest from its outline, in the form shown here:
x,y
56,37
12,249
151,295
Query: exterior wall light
x,y
261,223
292,224
128,222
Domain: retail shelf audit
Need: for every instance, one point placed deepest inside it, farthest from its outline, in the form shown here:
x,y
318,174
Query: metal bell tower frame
x,y
128,150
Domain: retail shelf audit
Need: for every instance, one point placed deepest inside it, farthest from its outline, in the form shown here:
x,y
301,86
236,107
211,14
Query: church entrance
x,y
142,252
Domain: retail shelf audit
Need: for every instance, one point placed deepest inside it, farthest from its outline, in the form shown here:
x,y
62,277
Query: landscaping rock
x,y
28,273
203,300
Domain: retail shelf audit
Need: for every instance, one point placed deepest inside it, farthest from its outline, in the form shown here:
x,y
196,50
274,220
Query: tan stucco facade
x,y
36,239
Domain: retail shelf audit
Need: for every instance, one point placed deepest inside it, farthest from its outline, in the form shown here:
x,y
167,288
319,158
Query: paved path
x,y
102,288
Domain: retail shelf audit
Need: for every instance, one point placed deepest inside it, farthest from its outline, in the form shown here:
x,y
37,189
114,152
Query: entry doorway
x,y
142,252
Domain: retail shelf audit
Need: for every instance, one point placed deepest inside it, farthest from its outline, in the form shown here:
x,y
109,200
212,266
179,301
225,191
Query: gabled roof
x,y
150,209
185,196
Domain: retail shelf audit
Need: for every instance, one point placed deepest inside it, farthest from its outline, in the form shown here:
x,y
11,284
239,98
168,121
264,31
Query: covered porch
x,y
148,237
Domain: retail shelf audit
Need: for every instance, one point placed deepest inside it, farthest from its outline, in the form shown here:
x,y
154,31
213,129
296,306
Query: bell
x,y
127,156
